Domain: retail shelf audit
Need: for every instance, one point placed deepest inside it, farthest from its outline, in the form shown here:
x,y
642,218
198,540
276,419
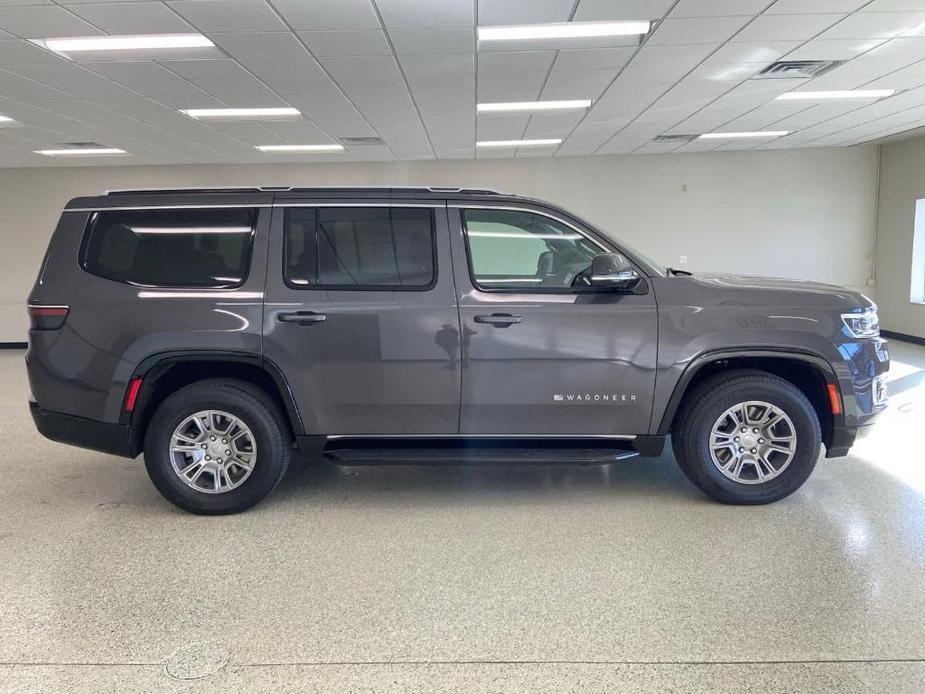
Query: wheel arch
x,y
808,371
164,373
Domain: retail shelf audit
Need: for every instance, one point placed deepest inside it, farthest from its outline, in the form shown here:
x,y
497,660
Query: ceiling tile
x,y
892,6
593,59
577,84
320,15
696,30
133,18
878,25
787,27
751,52
400,14
596,10
436,40
513,61
814,6
354,42
523,11
259,44
228,15
717,8
666,63
15,51
44,22
148,78
361,70
439,64
833,49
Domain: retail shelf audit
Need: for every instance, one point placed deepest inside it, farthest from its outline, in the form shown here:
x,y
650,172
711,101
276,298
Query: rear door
x,y
544,354
361,315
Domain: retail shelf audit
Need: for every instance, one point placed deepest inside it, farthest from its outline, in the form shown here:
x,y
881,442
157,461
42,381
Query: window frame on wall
x,y
287,280
527,289
96,218
917,267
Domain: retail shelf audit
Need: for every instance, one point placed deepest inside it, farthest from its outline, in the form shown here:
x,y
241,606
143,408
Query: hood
x,y
825,292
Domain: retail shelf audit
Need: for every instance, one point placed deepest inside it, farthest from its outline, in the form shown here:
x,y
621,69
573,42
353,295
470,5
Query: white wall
x,y
806,213
902,182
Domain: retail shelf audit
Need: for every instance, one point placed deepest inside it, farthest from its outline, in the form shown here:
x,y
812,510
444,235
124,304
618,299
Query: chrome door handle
x,y
501,320
302,317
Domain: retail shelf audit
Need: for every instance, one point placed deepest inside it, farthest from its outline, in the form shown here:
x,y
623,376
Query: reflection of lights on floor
x,y
892,446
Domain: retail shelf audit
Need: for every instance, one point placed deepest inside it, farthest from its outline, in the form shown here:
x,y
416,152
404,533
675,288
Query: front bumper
x,y
862,384
86,433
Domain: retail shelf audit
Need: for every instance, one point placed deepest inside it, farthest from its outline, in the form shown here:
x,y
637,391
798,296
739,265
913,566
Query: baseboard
x,y
13,345
914,339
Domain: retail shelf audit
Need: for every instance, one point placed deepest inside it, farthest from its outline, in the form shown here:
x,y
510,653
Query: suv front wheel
x,y
217,446
747,437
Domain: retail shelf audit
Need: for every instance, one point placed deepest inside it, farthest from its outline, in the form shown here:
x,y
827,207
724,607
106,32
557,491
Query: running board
x,y
472,452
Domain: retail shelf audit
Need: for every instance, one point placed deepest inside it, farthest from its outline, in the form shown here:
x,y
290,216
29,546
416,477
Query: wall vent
x,y
675,138
361,140
797,69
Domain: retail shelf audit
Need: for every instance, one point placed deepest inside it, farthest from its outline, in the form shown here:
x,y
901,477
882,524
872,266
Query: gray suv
x,y
223,331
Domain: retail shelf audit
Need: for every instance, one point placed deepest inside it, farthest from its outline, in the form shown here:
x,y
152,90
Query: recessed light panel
x,y
300,148
81,152
141,46
516,106
741,135
564,30
837,95
520,143
282,113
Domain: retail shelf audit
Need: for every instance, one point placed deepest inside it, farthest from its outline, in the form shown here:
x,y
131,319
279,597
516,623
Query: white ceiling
x,y
410,72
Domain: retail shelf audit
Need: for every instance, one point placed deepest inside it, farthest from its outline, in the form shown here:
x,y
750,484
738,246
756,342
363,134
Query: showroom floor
x,y
620,578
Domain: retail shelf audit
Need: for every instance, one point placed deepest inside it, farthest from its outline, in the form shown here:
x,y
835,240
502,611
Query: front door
x,y
360,315
544,354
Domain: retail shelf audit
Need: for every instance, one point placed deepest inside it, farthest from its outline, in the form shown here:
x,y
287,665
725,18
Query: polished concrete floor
x,y
520,578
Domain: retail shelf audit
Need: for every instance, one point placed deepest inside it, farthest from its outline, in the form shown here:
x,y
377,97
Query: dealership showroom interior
x,y
462,346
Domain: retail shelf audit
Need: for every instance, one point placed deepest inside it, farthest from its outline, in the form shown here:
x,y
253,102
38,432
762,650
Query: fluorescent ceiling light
x,y
837,95
124,43
300,148
519,143
5,119
731,136
240,112
533,106
565,30
80,151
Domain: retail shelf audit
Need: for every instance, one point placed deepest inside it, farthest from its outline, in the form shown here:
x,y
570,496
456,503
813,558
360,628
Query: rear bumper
x,y
85,433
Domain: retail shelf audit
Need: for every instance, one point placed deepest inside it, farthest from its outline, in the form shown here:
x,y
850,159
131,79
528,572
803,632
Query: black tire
x,y
690,436
251,405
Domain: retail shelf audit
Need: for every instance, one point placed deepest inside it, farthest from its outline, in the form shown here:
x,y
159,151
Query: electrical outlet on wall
x,y
682,260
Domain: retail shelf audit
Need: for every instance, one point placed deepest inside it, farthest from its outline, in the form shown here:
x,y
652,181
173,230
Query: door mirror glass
x,y
612,271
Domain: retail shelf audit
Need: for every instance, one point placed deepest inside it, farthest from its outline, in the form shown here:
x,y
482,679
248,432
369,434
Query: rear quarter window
x,y
170,248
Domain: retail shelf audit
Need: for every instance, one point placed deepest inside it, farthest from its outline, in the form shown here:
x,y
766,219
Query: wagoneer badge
x,y
615,398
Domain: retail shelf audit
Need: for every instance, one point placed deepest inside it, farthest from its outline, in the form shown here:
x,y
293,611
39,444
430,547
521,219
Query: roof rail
x,y
287,189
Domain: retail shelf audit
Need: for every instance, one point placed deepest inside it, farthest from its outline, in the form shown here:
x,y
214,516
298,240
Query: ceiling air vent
x,y
797,69
675,138
360,140
81,145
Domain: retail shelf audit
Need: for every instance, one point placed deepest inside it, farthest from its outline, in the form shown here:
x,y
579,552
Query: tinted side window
x,y
359,247
511,249
171,248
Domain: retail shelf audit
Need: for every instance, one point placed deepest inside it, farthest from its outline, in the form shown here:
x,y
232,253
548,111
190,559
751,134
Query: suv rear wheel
x,y
217,446
747,437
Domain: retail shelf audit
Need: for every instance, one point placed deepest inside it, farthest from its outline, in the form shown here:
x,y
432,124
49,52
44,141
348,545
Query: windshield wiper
x,y
679,273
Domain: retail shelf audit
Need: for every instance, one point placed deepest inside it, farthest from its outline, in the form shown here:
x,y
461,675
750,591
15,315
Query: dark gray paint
x,y
394,362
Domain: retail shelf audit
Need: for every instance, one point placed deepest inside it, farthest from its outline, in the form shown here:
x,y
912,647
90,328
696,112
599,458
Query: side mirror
x,y
611,271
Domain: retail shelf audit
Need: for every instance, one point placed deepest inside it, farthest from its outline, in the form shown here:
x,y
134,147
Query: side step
x,y
345,452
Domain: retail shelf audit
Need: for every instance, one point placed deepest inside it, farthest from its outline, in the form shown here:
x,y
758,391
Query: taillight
x,y
47,317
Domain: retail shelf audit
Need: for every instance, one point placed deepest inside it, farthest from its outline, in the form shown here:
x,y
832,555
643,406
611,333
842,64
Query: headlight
x,y
865,324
